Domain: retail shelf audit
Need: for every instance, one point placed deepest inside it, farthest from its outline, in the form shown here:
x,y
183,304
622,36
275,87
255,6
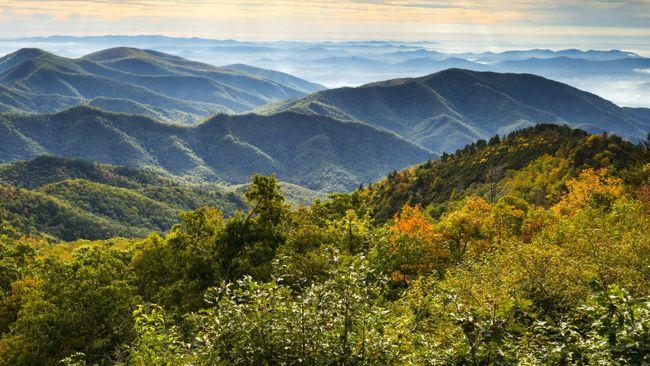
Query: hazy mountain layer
x,y
446,110
317,152
131,80
353,63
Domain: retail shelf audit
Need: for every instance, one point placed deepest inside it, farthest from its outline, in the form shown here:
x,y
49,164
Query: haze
x,y
451,27
581,22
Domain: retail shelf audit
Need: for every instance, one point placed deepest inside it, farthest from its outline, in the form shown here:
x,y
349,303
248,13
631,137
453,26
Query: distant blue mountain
x,y
146,40
514,55
449,109
415,54
132,80
559,67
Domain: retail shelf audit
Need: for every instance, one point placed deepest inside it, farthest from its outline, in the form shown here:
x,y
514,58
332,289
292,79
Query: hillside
x,y
640,113
132,80
316,152
449,109
532,164
544,263
44,170
70,199
279,77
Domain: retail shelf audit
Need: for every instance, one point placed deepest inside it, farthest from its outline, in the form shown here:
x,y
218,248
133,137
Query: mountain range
x,y
513,55
331,140
327,140
317,152
137,81
567,67
449,109
615,74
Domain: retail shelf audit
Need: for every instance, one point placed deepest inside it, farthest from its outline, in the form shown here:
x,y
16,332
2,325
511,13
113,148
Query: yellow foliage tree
x,y
591,186
466,229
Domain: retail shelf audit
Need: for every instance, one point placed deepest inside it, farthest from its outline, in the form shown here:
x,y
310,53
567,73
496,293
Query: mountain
x,y
532,164
411,54
434,64
44,170
513,55
567,67
140,40
351,62
641,113
132,80
449,109
279,77
317,152
14,100
70,199
338,64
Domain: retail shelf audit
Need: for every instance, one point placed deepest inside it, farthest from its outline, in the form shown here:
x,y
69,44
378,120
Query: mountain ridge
x,y
317,152
537,160
170,87
479,104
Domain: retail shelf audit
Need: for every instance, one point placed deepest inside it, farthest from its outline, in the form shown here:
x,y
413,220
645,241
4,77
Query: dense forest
x,y
532,249
316,152
68,199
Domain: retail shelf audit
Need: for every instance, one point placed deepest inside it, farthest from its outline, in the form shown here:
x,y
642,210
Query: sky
x,y
588,23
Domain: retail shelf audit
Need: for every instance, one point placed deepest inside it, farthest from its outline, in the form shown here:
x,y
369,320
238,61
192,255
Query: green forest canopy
x,y
545,262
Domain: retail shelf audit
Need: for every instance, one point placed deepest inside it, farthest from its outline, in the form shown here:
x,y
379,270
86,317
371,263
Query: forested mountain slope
x,y
449,109
317,152
132,80
546,263
533,164
641,113
74,199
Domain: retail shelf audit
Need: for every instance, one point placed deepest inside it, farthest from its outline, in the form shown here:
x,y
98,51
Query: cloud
x,y
320,19
360,10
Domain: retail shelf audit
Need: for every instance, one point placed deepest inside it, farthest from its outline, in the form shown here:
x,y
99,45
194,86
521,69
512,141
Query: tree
x,y
79,306
493,177
338,321
175,271
17,258
415,246
249,242
157,342
590,187
463,230
265,200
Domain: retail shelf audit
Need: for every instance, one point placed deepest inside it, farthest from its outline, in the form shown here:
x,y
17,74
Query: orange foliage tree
x,y
416,246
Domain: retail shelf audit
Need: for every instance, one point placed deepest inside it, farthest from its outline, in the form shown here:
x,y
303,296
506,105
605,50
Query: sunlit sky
x,y
581,20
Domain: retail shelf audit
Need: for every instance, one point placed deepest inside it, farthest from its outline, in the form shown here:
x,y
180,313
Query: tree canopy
x,y
541,261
